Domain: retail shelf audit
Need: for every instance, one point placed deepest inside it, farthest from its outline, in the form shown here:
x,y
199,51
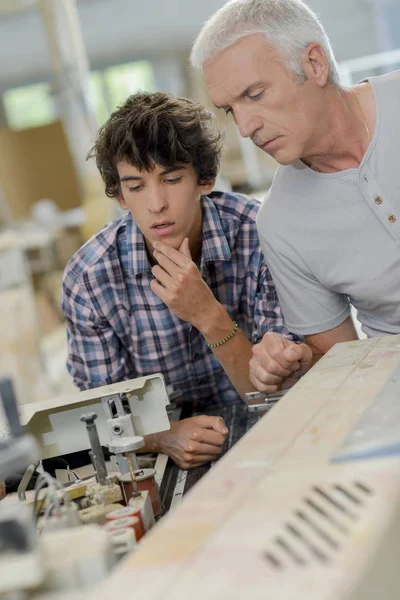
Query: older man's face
x,y
279,114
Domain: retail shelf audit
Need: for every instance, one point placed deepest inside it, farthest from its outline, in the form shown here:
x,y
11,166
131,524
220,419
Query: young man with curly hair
x,y
178,285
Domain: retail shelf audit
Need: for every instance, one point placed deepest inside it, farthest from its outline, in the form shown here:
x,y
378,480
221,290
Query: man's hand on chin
x,y
179,284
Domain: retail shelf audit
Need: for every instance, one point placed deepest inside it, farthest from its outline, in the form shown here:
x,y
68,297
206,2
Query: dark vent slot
x,y
299,560
363,488
348,495
327,516
323,534
273,560
335,503
314,549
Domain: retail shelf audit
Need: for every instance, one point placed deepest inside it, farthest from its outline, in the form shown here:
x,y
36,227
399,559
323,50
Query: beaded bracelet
x,y
228,337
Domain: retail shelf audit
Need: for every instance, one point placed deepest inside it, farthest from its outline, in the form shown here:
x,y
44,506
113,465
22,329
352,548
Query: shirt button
x,y
378,200
196,356
392,218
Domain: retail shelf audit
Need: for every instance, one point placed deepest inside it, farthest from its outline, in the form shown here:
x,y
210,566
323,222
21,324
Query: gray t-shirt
x,y
334,239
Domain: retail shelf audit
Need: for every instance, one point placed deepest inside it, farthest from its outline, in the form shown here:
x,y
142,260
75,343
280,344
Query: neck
x,y
342,136
196,236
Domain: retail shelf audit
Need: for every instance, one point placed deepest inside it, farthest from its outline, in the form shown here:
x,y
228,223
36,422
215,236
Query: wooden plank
x,y
214,544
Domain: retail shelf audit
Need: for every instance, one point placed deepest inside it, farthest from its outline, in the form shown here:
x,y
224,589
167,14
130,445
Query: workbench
x,y
276,517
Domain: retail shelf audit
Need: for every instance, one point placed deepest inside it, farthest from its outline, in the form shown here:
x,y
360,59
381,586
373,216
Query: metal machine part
x,y
260,402
17,449
124,441
53,422
23,486
97,452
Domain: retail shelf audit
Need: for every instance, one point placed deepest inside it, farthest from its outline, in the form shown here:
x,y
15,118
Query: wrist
x,y
153,442
215,324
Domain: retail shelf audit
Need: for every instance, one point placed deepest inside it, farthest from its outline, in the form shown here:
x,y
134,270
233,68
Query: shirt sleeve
x,y
308,306
267,310
96,356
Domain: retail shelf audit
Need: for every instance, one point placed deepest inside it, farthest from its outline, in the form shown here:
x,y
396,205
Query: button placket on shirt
x,y
381,205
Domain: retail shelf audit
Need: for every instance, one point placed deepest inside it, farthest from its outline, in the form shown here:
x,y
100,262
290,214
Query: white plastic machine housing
x,y
56,423
285,515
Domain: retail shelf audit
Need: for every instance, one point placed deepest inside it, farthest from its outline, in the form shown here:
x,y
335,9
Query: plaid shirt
x,y
118,329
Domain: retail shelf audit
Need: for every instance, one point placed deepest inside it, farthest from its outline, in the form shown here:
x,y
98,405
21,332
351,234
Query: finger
x,y
273,364
270,376
263,375
298,352
174,255
167,264
276,347
207,436
184,248
262,387
197,461
211,422
162,276
159,290
197,448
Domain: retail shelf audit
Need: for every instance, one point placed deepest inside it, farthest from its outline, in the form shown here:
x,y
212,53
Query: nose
x,y
247,122
157,199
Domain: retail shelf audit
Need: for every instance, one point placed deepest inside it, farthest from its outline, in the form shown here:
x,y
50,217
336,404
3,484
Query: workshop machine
x,y
305,506
63,539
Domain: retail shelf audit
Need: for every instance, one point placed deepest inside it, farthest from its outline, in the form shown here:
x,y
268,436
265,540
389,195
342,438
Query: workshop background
x,y
65,65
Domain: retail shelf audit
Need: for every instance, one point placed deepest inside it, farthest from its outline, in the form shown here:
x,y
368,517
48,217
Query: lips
x,y
266,144
162,224
163,228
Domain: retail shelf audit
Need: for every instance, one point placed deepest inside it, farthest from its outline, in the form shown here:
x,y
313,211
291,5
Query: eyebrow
x,y
243,94
164,172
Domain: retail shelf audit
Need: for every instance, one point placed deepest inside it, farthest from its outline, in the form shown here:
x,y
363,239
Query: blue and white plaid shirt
x,y
118,329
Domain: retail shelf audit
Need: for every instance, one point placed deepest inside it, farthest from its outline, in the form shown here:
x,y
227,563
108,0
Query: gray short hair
x,y
288,25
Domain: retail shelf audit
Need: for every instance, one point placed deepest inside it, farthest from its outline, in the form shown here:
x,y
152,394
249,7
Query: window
x,y
29,106
33,105
110,88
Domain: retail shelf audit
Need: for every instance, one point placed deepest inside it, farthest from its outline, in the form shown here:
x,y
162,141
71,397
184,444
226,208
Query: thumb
x,y
298,352
216,423
184,248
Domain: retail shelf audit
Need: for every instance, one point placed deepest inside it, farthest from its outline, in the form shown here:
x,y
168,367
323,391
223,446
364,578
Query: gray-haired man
x,y
330,229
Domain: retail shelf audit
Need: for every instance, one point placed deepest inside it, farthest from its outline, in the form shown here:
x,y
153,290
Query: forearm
x,y
235,354
152,443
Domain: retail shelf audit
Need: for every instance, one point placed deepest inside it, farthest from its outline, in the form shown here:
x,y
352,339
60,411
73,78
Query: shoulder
x,y
282,198
235,207
388,81
99,250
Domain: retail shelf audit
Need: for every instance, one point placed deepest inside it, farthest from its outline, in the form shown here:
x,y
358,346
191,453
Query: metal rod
x,y
97,451
23,486
10,407
135,488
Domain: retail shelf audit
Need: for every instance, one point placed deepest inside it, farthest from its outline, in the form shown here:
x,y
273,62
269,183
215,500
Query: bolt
x,y
97,452
89,418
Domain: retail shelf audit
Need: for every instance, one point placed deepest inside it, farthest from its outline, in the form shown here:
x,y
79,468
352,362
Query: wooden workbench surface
x,y
209,546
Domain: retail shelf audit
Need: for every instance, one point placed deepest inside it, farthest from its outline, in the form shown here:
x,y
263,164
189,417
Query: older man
x,y
330,229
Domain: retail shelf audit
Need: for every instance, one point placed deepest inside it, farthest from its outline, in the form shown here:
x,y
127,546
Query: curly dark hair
x,y
157,128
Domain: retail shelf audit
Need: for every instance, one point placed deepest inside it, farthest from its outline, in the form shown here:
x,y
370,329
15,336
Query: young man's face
x,y
164,202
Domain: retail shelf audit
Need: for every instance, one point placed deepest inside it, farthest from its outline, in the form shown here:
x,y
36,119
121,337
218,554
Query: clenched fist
x,y
277,360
